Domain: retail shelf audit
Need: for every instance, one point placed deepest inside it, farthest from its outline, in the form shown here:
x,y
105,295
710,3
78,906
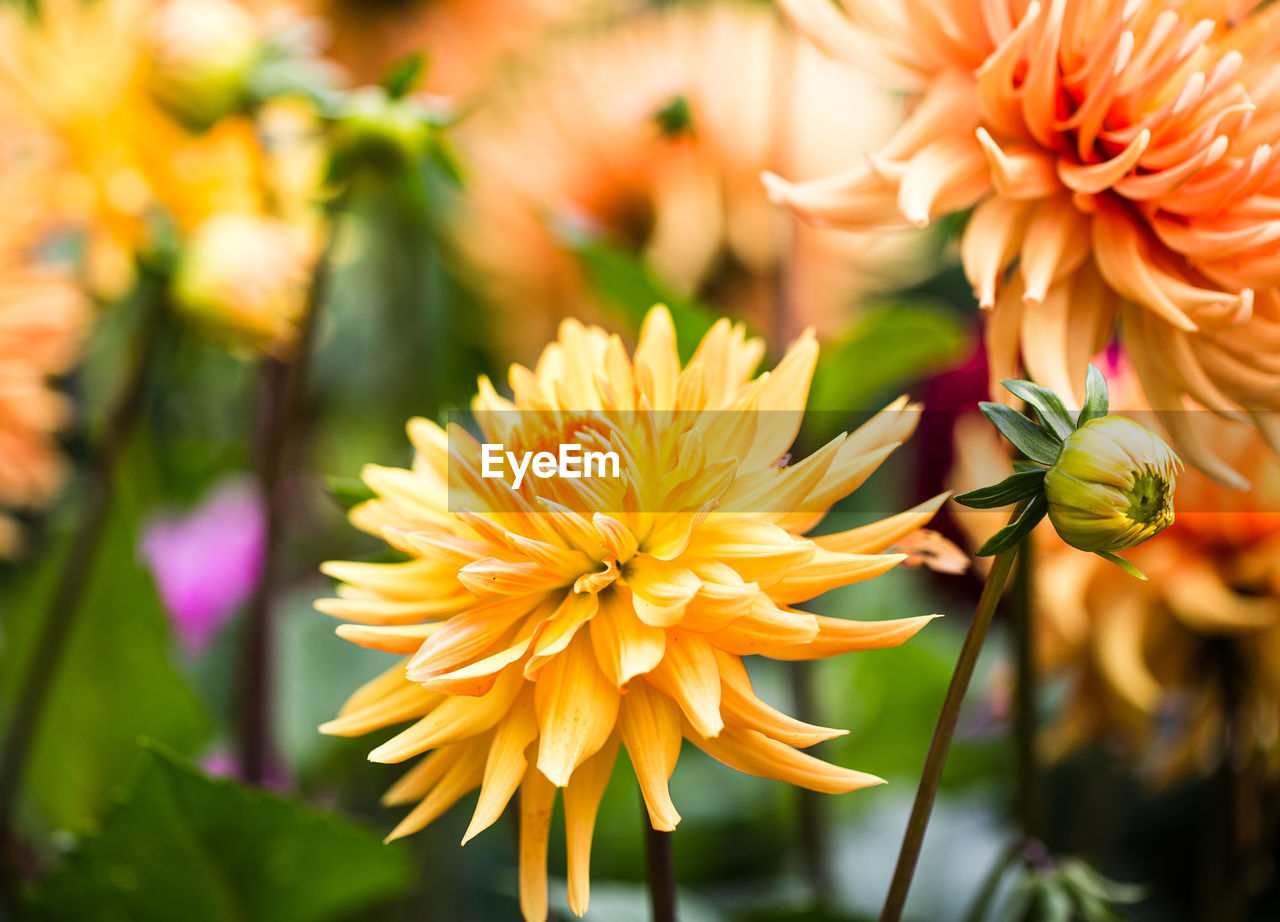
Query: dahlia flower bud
x,y
203,55
1105,482
376,125
246,277
1112,485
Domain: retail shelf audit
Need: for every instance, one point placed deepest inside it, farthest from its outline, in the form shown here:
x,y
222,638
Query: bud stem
x,y
659,870
927,792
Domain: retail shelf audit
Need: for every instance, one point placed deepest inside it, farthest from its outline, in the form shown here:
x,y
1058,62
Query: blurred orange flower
x,y
464,41
543,634
1122,160
653,132
43,320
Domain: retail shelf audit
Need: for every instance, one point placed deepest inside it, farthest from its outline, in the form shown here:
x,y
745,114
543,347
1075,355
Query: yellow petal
x,y
874,538
576,610
624,646
581,804
454,720
537,796
505,765
740,706
754,753
841,635
661,589
828,570
577,708
689,676
462,777
649,725
400,638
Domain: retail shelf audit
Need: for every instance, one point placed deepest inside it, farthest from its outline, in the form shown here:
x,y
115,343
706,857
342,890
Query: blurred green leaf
x,y
182,845
889,347
348,492
115,679
624,281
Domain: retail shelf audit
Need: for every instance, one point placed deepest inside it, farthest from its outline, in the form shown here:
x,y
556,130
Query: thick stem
x,y
660,870
1025,695
280,440
58,622
942,734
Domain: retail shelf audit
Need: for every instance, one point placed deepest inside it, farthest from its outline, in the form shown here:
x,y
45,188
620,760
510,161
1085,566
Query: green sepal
x,y
1048,405
1122,564
1026,436
405,75
1012,534
1022,465
1012,489
1096,402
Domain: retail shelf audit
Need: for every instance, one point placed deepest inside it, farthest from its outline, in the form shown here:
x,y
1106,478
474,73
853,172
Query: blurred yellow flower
x,y
246,277
543,633
653,132
1122,160
78,78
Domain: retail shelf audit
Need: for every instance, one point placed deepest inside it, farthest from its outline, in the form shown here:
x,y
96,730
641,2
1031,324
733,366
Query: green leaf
x,y
182,845
628,284
1022,465
889,347
115,679
1096,403
1087,879
1123,564
1025,435
1055,902
1012,489
1048,405
1012,534
404,75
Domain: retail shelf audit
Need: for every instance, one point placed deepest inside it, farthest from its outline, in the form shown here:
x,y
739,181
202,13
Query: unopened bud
x,y
203,53
1111,486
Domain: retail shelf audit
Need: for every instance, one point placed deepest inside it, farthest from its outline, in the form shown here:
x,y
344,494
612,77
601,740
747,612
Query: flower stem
x,y
660,870
280,441
1025,696
59,619
942,734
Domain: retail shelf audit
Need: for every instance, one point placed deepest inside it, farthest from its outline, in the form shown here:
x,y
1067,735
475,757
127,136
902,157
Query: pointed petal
x,y
577,709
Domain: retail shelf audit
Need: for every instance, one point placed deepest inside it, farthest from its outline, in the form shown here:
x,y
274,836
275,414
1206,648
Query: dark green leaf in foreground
x,y
1026,436
1012,489
185,846
1013,533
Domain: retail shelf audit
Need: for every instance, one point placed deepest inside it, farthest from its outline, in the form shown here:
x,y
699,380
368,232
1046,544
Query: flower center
x,y
1148,499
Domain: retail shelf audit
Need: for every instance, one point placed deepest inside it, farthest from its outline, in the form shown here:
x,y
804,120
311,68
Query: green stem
x,y
942,734
1025,696
280,448
57,625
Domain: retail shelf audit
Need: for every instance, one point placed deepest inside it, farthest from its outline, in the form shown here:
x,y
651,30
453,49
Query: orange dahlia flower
x,y
1121,158
653,133
543,634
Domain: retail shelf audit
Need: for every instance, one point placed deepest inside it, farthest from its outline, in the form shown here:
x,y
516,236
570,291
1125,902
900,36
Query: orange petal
x,y
505,766
754,753
625,646
688,675
841,635
537,797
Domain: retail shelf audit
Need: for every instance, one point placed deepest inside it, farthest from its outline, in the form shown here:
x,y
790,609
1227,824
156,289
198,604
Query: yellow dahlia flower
x,y
1122,158
547,626
653,133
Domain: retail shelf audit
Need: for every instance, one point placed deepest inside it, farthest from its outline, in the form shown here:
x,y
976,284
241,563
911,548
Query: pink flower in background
x,y
206,563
